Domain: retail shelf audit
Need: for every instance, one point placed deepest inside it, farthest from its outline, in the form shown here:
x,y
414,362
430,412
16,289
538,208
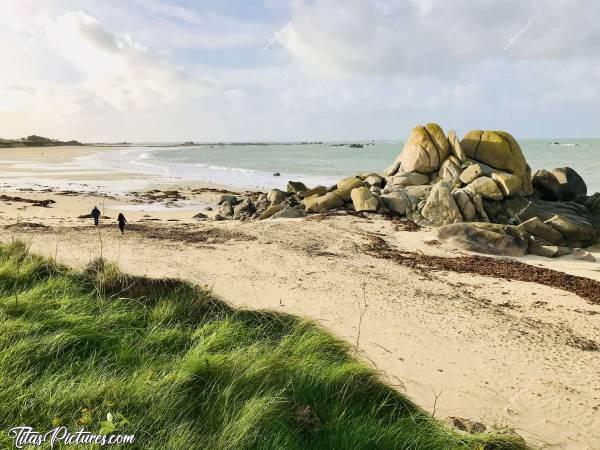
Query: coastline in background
x,y
250,165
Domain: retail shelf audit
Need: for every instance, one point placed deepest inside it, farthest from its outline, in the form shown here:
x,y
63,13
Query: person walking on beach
x,y
96,215
122,221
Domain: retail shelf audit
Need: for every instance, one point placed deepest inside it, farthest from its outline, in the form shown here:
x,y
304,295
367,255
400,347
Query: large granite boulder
x,y
345,186
409,179
562,184
577,232
576,223
486,187
425,151
317,190
509,185
455,147
536,227
492,239
593,203
450,169
440,207
501,151
317,204
474,171
364,200
465,204
397,202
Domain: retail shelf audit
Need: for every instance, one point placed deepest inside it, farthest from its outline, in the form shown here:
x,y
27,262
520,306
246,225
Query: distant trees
x,y
35,141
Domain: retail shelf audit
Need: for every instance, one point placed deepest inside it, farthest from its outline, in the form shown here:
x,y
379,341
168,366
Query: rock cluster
x,y
479,190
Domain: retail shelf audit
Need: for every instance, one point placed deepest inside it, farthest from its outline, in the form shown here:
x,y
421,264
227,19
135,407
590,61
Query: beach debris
x,y
502,268
27,225
466,425
33,202
89,216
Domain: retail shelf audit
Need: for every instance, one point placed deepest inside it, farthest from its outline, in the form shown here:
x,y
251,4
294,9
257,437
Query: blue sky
x,y
297,70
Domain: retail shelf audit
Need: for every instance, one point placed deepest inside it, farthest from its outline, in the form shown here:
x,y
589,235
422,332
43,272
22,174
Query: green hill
x,y
179,369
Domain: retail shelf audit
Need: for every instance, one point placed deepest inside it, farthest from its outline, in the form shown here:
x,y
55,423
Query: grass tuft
x,y
183,370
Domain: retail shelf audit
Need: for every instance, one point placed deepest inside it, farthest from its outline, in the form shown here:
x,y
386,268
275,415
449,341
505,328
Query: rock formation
x,y
478,190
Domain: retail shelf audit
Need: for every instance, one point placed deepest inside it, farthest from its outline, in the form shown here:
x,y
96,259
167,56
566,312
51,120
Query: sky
x,y
248,70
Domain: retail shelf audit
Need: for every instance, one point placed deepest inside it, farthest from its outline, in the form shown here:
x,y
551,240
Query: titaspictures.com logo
x,y
26,436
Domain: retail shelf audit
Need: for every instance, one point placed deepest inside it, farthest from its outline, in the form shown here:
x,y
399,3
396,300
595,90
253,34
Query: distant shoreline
x,y
37,141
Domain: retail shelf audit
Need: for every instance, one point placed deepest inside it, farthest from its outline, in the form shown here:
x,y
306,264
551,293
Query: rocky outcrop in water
x,y
478,190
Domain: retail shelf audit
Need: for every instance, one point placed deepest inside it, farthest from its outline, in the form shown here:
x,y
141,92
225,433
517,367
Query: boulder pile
x,y
478,192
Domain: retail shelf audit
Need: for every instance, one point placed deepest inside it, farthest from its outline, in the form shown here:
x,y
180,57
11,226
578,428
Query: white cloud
x,y
116,69
431,37
155,70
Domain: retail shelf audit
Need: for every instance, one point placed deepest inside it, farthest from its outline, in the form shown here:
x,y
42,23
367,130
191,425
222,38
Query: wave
x,y
223,168
135,162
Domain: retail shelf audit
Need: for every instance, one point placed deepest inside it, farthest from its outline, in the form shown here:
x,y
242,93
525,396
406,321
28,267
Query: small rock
x,y
318,190
270,211
290,213
580,254
200,216
228,198
226,209
276,174
244,210
316,203
296,187
373,180
276,196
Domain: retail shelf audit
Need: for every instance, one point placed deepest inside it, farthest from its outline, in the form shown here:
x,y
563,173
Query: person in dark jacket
x,y
96,215
122,221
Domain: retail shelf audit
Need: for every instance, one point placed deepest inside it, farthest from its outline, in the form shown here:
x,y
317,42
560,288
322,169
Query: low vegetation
x,y
35,141
179,369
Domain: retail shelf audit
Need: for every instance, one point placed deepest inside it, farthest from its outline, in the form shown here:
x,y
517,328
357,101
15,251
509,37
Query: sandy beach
x,y
510,354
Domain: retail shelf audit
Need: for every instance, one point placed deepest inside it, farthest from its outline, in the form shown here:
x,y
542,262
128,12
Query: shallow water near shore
x,y
253,165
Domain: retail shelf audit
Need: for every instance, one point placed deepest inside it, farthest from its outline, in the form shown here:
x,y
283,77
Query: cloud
x,y
432,37
115,68
172,70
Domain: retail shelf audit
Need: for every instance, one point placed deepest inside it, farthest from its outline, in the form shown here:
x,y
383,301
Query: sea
x,y
253,165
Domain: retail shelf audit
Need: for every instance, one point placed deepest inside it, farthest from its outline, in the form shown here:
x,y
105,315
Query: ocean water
x,y
252,166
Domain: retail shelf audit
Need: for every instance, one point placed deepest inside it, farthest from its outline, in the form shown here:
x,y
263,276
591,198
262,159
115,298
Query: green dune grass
x,y
180,369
